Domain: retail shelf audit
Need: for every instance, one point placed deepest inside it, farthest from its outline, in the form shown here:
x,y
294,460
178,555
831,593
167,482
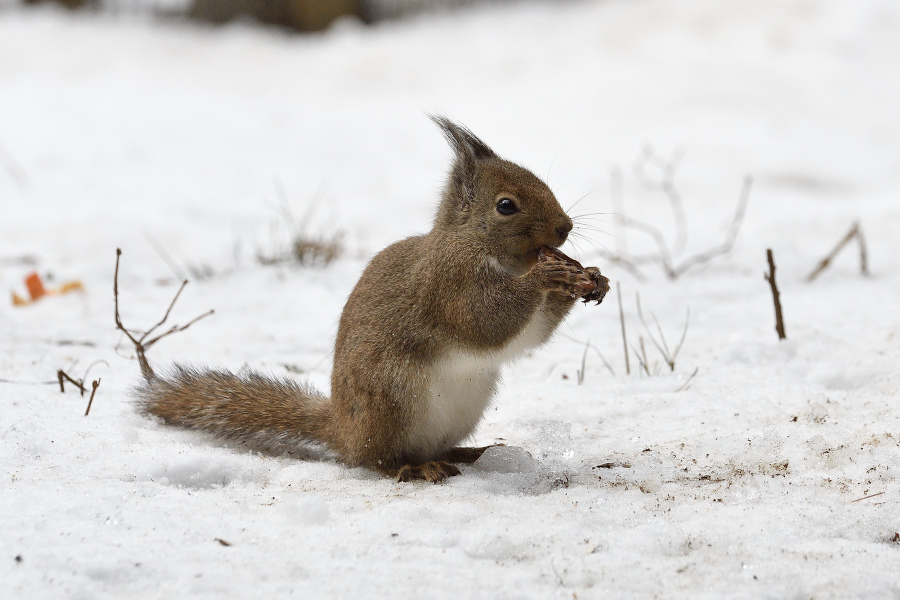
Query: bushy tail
x,y
243,407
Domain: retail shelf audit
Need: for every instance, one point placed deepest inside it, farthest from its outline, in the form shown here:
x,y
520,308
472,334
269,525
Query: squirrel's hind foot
x,y
432,471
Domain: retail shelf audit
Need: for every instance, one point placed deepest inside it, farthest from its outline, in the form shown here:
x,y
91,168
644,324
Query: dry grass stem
x,y
622,321
867,497
855,232
668,356
688,382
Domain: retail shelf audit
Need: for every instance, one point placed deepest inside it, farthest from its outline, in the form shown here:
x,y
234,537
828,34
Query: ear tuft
x,y
466,145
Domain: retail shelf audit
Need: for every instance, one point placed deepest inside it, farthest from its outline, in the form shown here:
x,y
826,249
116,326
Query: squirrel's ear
x,y
462,140
468,150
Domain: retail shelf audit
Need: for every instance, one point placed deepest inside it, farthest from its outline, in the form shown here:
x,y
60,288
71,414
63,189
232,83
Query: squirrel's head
x,y
497,204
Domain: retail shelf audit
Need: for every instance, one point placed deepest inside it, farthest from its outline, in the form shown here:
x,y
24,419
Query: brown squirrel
x,y
423,335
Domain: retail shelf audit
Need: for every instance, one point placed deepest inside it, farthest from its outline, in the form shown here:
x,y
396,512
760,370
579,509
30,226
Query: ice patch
x,y
507,459
512,470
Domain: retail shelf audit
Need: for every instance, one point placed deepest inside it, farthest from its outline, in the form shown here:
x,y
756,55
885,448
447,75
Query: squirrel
x,y
422,336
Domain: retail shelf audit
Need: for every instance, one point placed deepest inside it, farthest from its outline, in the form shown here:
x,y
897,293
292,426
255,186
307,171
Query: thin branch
x,y
168,310
726,246
140,346
62,377
663,256
626,263
177,328
95,385
776,297
855,232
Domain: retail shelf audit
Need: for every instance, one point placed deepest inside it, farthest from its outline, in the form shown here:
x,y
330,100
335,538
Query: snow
x,y
746,481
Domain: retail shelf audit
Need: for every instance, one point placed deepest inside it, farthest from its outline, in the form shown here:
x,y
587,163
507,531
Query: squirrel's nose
x,y
563,230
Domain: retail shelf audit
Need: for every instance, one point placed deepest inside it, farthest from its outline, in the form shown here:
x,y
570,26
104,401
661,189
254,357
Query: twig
x,y
62,377
776,297
686,383
140,346
146,371
663,256
177,328
622,321
866,497
726,246
626,263
855,232
95,385
613,465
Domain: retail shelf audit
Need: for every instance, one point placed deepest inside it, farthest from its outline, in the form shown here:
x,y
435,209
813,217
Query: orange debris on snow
x,y
37,290
35,286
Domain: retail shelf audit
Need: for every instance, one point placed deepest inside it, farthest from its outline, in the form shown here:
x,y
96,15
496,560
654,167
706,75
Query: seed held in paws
x,y
595,285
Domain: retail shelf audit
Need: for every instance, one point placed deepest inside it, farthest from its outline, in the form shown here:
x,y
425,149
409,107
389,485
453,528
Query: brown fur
x,y
472,284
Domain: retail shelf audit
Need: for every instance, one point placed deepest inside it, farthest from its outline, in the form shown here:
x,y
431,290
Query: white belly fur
x,y
461,385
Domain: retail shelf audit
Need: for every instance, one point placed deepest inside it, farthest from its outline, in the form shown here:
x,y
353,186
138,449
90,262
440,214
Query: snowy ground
x,y
744,484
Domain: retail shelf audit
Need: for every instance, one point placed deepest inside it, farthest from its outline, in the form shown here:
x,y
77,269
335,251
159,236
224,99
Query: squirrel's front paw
x,y
563,278
588,285
601,286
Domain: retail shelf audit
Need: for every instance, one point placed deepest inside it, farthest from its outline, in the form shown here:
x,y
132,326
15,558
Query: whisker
x,y
550,168
580,199
596,245
594,228
596,213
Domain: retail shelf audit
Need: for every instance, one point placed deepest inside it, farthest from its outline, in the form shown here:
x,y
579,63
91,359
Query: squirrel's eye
x,y
507,207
